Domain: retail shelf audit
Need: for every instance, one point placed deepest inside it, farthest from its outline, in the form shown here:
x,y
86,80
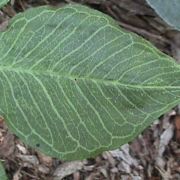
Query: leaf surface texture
x,y
74,84
2,172
3,2
168,10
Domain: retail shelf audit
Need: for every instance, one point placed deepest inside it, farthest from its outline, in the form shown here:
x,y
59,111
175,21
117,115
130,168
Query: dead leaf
x,y
67,169
177,128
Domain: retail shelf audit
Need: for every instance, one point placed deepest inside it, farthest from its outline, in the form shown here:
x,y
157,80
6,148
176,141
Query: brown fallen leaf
x,y
45,160
177,128
67,169
7,141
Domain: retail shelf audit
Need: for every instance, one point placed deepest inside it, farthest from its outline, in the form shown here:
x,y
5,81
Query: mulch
x,y
154,155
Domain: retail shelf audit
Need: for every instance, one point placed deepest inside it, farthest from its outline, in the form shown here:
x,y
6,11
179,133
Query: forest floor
x,y
154,155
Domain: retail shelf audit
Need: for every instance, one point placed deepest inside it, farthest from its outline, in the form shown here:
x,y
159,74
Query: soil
x,y
154,155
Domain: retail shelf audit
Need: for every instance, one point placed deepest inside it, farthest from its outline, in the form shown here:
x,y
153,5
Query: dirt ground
x,y
154,155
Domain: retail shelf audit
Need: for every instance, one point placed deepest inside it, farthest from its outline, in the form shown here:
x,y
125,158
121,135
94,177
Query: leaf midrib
x,y
77,78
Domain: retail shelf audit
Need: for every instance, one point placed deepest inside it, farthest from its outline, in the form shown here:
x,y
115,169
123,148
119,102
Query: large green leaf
x,y
169,10
74,84
2,172
3,2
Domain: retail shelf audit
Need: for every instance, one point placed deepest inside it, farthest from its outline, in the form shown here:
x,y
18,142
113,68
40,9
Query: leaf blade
x,y
2,172
75,84
3,2
168,10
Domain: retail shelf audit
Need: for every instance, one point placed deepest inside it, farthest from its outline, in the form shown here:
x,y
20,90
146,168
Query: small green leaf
x,y
2,173
3,2
74,84
168,10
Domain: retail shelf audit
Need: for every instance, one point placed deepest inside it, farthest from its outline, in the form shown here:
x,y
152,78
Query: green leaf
x,y
3,2
74,84
168,10
2,172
